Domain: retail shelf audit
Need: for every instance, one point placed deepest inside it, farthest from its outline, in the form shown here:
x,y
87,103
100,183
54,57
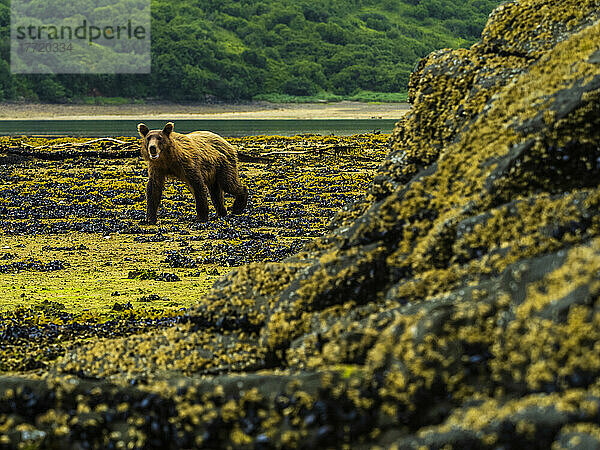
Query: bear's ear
x,y
168,128
143,129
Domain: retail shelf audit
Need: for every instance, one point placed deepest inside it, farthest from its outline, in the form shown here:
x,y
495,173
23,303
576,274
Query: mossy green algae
x,y
459,309
79,216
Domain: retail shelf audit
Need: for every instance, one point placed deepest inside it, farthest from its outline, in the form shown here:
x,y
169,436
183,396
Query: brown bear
x,y
204,161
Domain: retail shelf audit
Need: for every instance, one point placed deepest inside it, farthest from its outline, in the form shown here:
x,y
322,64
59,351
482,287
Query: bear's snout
x,y
153,150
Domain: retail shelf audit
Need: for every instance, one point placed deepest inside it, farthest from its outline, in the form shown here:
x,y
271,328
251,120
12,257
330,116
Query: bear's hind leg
x,y
241,199
240,192
216,194
230,182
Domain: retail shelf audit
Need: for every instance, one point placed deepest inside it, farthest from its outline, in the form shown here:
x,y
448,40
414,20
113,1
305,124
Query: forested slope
x,y
231,50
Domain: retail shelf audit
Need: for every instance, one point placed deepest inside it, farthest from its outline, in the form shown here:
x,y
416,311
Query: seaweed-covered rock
x,y
455,305
450,88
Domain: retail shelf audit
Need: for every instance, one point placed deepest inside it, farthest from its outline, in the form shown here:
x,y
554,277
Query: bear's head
x,y
155,142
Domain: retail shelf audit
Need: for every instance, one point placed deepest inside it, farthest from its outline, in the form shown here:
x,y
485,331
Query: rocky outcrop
x,y
457,304
450,88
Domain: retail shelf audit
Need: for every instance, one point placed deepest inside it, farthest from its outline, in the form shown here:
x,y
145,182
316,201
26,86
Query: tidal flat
x,y
177,111
77,264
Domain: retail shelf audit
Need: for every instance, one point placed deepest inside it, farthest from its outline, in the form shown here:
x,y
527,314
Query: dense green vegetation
x,y
270,49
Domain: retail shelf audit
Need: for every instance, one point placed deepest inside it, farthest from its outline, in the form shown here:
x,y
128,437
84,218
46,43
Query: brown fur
x,y
204,161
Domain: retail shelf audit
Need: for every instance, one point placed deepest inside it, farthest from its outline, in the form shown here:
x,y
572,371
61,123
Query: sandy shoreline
x,y
174,111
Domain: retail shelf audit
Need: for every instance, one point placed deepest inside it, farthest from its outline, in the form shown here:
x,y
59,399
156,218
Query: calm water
x,y
233,128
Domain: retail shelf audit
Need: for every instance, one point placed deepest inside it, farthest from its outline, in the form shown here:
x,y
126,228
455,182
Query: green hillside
x,y
271,49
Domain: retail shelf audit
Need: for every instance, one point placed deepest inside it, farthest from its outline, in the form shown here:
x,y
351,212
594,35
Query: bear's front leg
x,y
200,192
154,190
